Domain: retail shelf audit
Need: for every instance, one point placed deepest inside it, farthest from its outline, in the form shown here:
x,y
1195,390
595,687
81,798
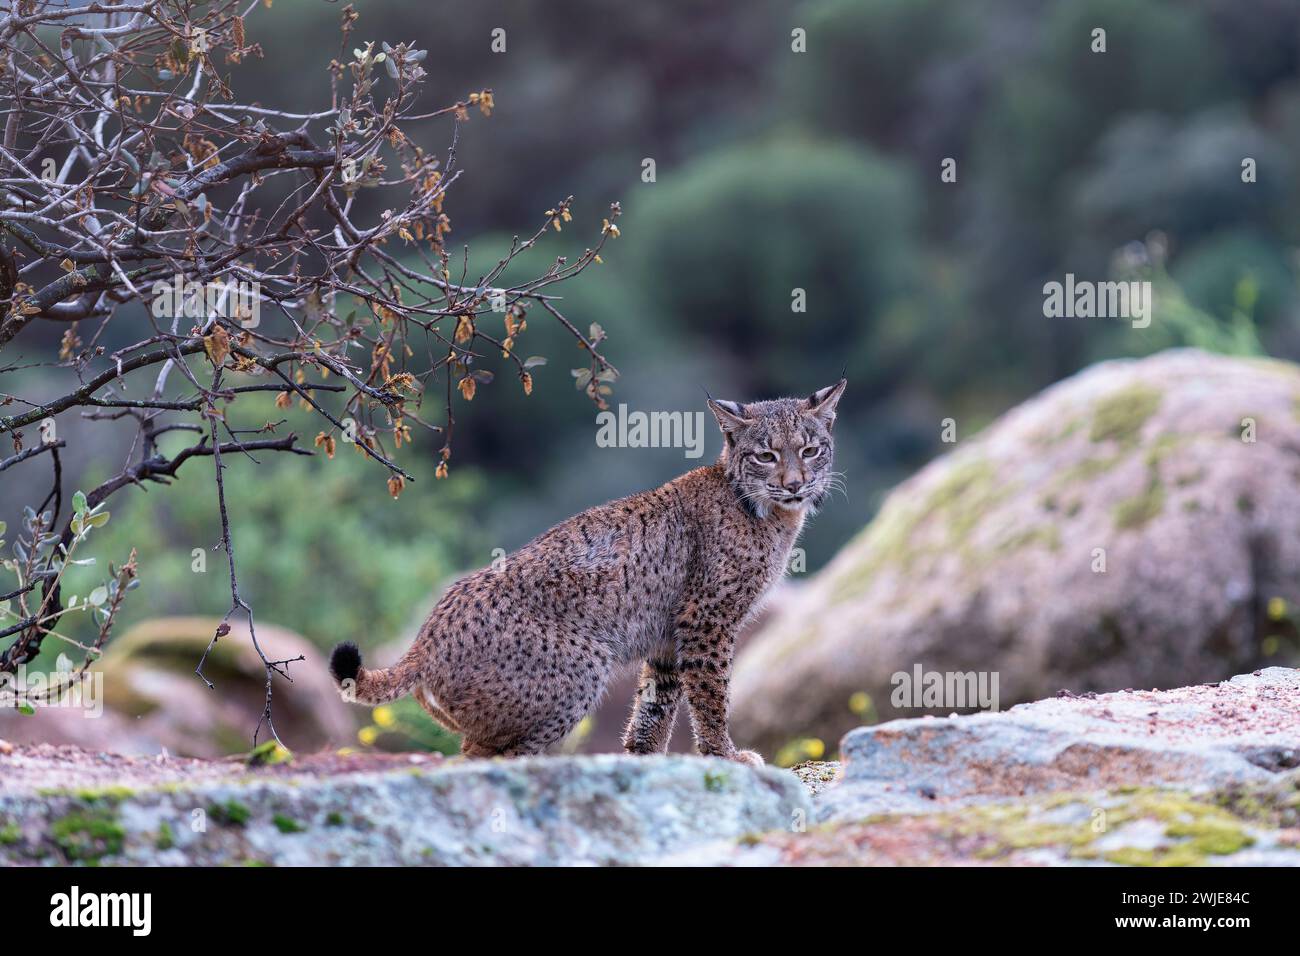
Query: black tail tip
x,y
345,662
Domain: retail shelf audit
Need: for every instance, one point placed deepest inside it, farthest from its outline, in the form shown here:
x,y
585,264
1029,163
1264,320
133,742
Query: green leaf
x,y
533,361
98,596
79,502
26,709
97,520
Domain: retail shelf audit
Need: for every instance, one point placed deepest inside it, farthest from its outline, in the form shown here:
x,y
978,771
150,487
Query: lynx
x,y
515,655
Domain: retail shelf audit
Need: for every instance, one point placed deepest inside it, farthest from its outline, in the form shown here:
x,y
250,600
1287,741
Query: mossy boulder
x,y
1136,525
1192,776
152,700
334,809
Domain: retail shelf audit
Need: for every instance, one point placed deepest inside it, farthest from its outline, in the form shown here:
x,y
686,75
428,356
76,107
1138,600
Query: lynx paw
x,y
750,757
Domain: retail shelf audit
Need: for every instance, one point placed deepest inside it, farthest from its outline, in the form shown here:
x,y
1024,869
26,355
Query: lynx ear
x,y
730,415
822,402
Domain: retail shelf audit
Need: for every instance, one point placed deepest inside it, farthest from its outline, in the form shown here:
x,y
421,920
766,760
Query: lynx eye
x,y
812,451
766,457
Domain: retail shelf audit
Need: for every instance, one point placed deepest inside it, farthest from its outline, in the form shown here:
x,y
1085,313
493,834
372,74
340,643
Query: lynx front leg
x,y
704,659
655,709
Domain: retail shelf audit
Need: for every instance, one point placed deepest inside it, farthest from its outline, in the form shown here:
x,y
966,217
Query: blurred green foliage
x,y
320,546
719,249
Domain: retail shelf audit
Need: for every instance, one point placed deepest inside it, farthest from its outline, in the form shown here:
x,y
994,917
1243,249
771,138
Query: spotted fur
x,y
515,655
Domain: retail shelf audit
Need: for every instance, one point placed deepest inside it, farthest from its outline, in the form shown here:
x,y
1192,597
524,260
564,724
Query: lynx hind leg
x,y
654,710
434,710
469,748
535,706
537,732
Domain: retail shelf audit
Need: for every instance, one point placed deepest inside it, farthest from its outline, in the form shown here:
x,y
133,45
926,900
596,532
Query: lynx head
x,y
778,454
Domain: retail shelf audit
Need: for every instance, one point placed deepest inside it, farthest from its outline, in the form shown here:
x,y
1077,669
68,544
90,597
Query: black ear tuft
x,y
345,662
823,401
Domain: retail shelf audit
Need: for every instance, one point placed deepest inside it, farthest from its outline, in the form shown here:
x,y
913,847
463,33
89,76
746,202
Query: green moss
x,y
964,497
86,836
1047,536
231,812
1089,468
10,834
1198,829
1120,416
961,500
287,824
1070,428
1133,513
715,782
1163,446
109,795
1012,828
334,819
269,754
886,539
1275,803
166,839
1201,829
1212,836
1205,840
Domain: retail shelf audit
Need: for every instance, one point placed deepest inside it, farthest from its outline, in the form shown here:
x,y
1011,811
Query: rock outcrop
x,y
1198,775
1243,731
1137,525
62,805
1193,776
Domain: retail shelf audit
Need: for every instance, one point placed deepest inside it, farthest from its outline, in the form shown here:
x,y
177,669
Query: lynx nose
x,y
792,485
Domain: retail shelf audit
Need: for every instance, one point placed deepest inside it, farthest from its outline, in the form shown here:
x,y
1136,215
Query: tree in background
x,y
200,253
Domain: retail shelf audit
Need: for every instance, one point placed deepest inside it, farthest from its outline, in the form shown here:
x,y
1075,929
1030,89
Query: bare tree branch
x,y
246,253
